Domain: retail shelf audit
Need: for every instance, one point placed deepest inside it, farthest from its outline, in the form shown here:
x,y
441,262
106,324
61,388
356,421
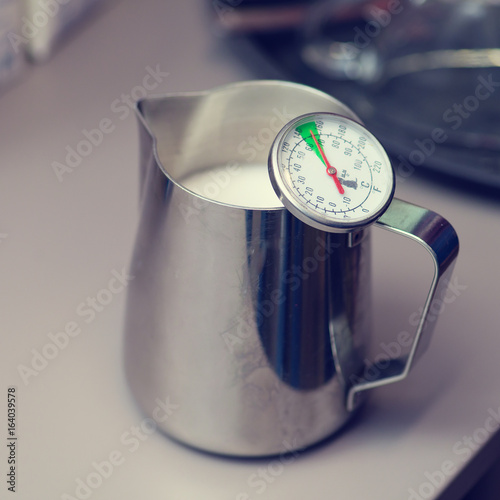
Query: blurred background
x,y
423,75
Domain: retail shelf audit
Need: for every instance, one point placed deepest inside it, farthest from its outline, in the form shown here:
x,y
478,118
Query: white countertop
x,y
61,242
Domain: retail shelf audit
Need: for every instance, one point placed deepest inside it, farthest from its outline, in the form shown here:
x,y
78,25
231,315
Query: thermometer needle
x,y
331,171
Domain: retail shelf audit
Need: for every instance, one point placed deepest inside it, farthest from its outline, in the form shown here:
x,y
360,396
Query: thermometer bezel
x,y
297,207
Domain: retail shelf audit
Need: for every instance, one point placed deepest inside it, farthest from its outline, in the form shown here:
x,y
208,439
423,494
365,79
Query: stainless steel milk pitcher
x,y
252,323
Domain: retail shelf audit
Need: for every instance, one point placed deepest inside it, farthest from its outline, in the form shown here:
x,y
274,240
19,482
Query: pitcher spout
x,y
162,125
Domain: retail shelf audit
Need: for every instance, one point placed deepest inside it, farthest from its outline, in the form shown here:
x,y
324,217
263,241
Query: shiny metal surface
x,y
251,322
438,237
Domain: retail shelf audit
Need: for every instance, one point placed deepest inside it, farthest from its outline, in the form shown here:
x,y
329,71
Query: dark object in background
x,y
423,76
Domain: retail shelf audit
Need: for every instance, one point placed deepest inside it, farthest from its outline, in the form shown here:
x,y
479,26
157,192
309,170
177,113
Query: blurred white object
x,y
44,22
11,57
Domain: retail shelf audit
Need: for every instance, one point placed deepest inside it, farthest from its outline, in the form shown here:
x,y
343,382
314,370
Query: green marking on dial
x,y
305,131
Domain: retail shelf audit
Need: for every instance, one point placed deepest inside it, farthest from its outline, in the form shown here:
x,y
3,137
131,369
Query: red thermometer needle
x,y
331,171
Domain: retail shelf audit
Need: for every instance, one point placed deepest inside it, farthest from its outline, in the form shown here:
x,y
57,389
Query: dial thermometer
x,y
331,172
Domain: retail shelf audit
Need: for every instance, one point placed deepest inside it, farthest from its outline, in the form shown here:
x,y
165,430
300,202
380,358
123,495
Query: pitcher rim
x,y
218,89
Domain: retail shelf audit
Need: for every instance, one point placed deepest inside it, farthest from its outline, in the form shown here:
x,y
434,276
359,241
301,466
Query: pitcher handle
x,y
439,238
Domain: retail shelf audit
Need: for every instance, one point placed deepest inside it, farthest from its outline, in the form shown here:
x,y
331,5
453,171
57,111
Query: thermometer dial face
x,y
331,172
